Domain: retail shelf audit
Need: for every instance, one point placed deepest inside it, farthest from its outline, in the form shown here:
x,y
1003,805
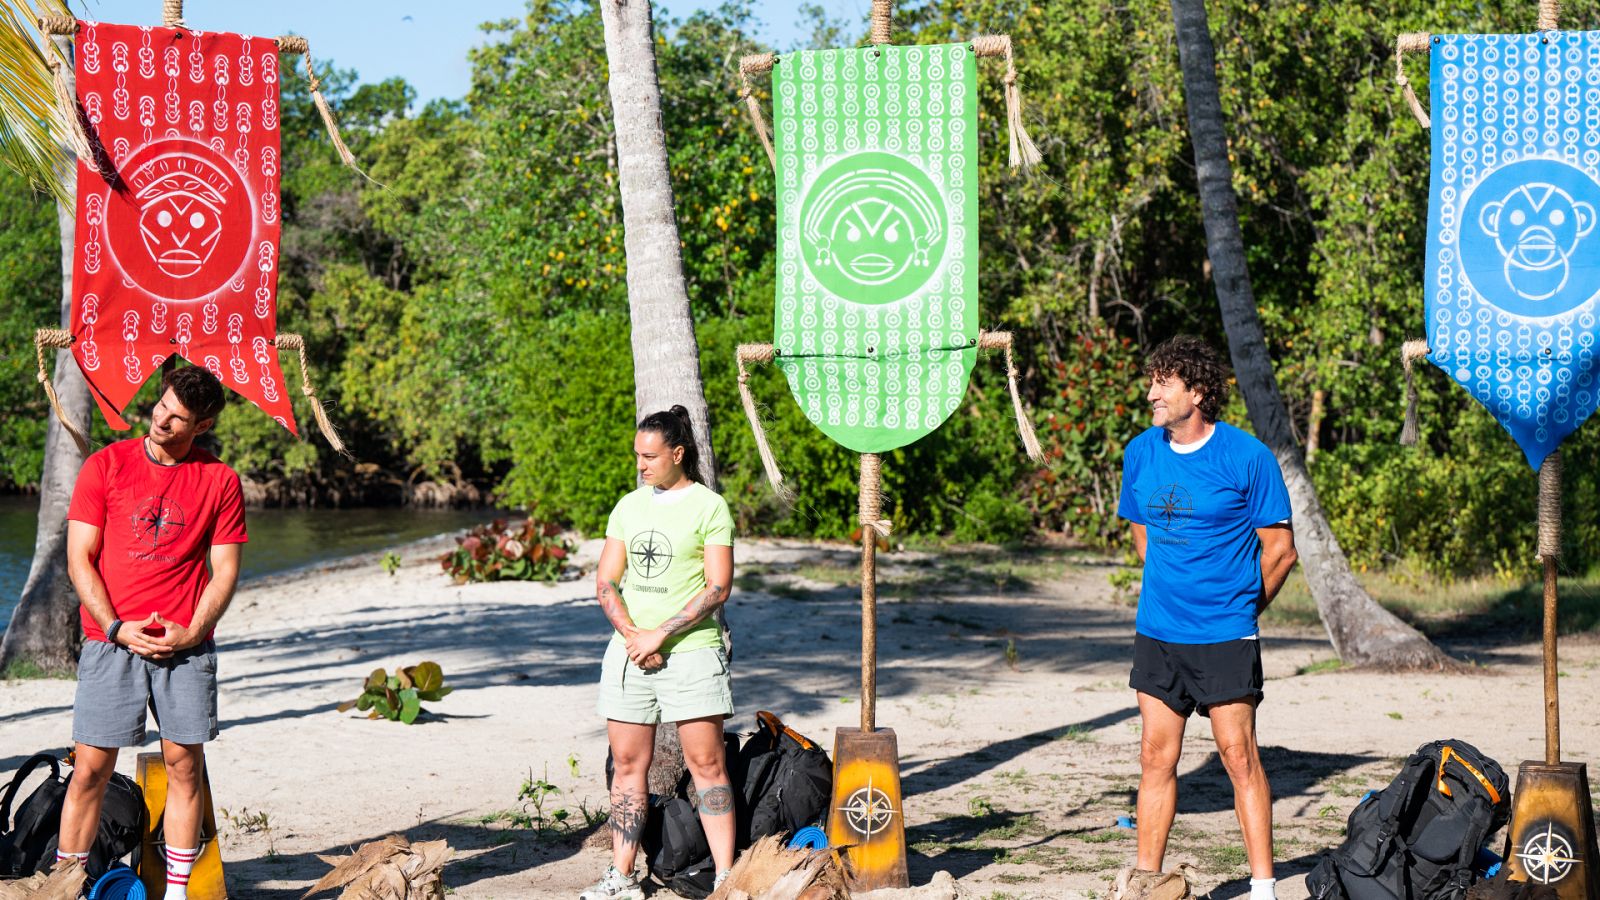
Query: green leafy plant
x,y
535,793
399,696
531,551
390,562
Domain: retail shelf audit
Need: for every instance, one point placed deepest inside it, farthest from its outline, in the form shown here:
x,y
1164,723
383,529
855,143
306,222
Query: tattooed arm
x,y
608,590
613,560
719,579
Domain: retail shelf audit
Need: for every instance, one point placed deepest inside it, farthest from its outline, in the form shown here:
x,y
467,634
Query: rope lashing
x,y
1410,352
1410,42
1002,340
57,339
760,353
752,65
1549,14
882,20
1024,153
67,114
1550,506
294,43
871,503
294,342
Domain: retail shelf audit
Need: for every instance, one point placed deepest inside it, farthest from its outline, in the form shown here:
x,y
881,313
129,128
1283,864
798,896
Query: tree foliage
x,y
467,312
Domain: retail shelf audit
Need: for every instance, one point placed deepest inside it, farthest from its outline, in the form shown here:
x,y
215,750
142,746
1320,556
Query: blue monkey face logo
x,y
1526,238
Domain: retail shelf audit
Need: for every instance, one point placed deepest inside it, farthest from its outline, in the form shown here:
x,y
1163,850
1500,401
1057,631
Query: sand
x,y
1004,678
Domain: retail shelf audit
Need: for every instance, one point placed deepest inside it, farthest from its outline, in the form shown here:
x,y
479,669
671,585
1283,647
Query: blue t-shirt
x,y
1200,510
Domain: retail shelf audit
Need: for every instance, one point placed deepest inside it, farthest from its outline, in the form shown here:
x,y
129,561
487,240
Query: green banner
x,y
877,298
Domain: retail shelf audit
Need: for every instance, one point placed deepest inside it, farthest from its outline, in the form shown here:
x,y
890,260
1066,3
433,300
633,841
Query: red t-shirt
x,y
158,524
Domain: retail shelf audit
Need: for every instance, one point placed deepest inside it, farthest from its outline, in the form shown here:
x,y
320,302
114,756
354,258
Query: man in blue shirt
x,y
1211,521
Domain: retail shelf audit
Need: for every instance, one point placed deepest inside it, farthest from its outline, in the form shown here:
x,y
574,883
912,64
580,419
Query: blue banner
x,y
1513,261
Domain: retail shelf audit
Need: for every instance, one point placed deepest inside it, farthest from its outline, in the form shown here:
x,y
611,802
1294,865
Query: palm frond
x,y
33,129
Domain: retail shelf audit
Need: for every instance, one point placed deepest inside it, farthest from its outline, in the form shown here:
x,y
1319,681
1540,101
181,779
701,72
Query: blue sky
x,y
423,41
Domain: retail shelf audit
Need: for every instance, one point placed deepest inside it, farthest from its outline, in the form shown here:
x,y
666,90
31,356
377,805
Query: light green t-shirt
x,y
665,535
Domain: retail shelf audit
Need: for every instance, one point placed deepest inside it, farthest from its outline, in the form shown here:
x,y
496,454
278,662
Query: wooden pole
x,y
882,16
1549,552
871,509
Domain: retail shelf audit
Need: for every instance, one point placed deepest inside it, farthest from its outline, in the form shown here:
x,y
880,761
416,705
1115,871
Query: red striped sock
x,y
179,864
80,857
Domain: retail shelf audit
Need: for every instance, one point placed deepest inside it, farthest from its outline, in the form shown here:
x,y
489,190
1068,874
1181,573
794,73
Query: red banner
x,y
177,240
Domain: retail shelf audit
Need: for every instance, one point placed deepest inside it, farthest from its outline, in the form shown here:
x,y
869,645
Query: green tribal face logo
x,y
872,228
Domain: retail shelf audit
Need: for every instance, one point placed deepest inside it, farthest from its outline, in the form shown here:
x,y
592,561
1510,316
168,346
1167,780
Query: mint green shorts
x,y
694,684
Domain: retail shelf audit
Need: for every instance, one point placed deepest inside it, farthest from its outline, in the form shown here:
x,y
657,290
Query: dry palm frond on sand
x,y
768,871
62,883
390,868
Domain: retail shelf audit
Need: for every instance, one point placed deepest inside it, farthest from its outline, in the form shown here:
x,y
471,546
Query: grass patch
x,y
1223,859
27,670
1080,734
1108,836
1321,665
1490,604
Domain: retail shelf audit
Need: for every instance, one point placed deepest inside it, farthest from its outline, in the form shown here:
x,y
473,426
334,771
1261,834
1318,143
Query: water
x,y
280,539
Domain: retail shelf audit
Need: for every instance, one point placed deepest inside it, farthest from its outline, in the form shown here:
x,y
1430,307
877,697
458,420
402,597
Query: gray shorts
x,y
116,686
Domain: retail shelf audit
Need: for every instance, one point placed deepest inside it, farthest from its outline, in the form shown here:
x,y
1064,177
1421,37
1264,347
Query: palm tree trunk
x,y
666,356
44,632
1362,632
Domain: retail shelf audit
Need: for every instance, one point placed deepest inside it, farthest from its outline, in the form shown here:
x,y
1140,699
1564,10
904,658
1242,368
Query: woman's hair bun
x,y
680,412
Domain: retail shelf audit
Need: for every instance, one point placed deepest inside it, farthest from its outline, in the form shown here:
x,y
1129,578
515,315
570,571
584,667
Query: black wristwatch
x,y
112,629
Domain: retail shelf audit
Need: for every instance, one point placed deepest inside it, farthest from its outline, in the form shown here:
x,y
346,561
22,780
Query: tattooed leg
x,y
627,816
631,748
703,752
716,800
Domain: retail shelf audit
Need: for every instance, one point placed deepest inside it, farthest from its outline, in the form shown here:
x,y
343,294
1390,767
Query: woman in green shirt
x,y
666,569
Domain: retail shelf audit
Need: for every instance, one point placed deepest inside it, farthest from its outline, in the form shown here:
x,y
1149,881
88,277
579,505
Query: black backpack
x,y
1417,838
785,781
781,781
29,845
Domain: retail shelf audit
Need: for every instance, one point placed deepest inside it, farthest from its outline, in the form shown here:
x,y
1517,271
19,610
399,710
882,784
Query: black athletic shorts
x,y
1187,677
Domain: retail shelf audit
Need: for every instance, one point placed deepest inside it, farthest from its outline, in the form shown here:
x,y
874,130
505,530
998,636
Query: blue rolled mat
x,y
809,838
118,883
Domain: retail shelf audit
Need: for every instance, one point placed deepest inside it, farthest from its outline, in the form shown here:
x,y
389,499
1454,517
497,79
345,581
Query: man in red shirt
x,y
147,517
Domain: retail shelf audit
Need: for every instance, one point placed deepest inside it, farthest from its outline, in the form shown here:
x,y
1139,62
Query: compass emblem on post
x,y
1546,854
868,811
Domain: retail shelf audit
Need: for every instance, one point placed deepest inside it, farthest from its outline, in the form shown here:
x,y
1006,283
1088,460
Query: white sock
x,y
82,858
179,864
1262,889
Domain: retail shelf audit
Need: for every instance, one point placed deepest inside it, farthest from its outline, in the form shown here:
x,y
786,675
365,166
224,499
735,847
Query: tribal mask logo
x,y
1523,238
873,228
185,211
158,522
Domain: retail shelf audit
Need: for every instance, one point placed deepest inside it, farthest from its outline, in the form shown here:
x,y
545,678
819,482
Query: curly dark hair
x,y
197,389
1192,361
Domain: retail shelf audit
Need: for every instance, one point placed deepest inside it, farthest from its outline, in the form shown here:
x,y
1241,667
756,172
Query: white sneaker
x,y
614,886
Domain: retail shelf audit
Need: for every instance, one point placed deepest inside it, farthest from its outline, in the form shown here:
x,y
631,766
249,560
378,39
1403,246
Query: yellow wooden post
x,y
206,881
